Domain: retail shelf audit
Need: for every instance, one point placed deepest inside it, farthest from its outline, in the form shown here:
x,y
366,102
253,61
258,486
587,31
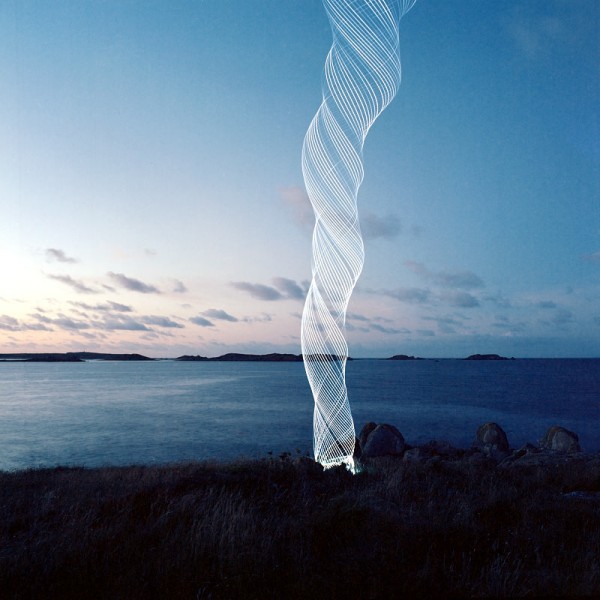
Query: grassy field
x,y
283,528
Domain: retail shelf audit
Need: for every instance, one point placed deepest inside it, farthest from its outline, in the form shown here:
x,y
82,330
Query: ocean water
x,y
118,413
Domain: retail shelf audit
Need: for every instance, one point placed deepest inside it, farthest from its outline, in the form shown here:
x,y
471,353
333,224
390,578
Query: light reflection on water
x,y
128,412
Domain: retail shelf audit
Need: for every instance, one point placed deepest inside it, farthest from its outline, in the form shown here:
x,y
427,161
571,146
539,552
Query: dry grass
x,y
283,528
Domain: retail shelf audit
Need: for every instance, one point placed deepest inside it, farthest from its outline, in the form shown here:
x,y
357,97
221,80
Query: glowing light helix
x,y
361,76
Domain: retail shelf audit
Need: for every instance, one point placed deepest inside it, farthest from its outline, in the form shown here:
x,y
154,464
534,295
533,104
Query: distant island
x,y
403,357
234,356
68,357
487,357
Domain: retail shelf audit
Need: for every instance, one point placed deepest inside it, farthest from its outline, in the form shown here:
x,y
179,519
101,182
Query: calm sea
x,y
118,413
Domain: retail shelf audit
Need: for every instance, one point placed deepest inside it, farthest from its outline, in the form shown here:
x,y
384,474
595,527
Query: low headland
x,y
430,521
69,357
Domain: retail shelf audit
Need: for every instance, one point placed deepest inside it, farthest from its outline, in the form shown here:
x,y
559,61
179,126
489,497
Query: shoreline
x,y
490,446
563,448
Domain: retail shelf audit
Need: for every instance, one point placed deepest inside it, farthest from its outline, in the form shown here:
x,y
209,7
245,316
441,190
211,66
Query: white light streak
x,y
361,77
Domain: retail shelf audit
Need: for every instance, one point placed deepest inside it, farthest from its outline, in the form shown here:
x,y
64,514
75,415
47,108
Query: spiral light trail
x,y
361,76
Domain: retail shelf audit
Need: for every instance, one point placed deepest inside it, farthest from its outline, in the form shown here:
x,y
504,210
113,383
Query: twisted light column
x,y
361,76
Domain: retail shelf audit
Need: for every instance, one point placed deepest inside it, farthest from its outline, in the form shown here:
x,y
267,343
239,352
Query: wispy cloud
x,y
221,315
408,295
289,288
103,307
465,280
36,327
202,322
122,323
179,287
263,318
8,323
282,289
161,321
387,330
499,300
134,285
374,226
57,255
563,317
63,322
426,332
108,322
446,324
258,290
118,306
366,324
535,35
296,200
78,286
507,325
357,317
594,257
460,299
545,304
560,318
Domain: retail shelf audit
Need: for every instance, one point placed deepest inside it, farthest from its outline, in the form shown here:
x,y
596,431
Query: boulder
x,y
365,432
491,440
559,439
542,459
525,450
383,440
357,449
523,455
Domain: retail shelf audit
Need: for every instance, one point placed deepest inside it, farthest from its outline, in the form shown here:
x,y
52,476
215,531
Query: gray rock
x,y
365,432
559,439
542,459
524,451
383,440
492,441
357,449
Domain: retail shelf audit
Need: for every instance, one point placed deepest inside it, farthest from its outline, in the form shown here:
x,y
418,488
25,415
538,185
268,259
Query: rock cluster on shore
x,y
490,444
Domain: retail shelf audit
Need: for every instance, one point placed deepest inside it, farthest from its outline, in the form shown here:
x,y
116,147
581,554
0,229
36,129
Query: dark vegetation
x,y
284,528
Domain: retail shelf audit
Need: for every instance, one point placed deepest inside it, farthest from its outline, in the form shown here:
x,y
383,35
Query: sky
x,y
152,200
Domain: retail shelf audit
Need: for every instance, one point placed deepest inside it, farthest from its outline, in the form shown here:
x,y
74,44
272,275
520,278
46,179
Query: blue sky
x,y
152,199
